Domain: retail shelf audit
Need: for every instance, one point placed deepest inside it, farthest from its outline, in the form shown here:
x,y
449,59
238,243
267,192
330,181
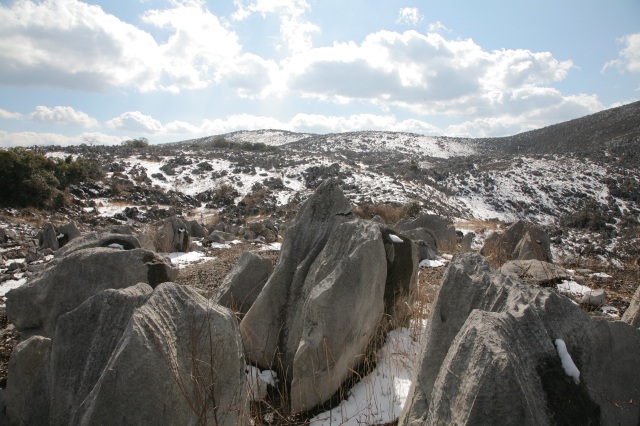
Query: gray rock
x,y
331,325
48,237
467,242
433,223
595,297
425,250
502,247
243,284
173,236
450,240
220,237
632,314
134,357
11,234
35,307
23,366
99,239
535,271
264,328
70,230
424,235
489,354
196,230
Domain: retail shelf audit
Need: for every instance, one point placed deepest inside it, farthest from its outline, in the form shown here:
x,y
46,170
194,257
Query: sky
x,y
101,72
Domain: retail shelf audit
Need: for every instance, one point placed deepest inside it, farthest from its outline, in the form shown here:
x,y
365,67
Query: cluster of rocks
x,y
497,349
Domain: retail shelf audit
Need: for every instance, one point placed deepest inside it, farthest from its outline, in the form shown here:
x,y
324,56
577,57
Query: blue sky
x,y
105,71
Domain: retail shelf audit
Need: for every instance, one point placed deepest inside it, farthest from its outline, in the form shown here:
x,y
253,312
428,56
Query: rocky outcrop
x,y
491,351
243,284
70,231
35,307
535,272
467,242
196,230
520,241
321,308
173,236
137,356
632,314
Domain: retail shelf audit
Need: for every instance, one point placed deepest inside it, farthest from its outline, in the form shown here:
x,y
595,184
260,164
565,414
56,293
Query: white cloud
x,y
10,115
438,27
629,56
68,43
135,121
409,16
62,115
14,139
296,31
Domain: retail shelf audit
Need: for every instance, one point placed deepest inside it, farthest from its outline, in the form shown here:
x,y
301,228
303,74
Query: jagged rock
x,y
196,230
23,366
426,236
133,356
467,242
263,328
378,219
70,231
345,285
173,236
35,307
507,246
535,271
220,237
119,229
425,251
48,237
243,284
433,223
632,314
489,355
98,239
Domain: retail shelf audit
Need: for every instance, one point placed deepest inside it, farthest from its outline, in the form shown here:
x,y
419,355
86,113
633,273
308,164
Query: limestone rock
x,y
632,314
48,237
100,239
535,271
243,284
70,231
196,230
133,356
467,242
35,307
489,353
173,236
521,241
23,366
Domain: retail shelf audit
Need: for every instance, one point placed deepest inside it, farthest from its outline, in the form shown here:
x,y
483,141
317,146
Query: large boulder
x,y
35,307
133,356
520,241
430,222
321,308
23,366
243,284
70,231
632,314
266,324
173,236
196,230
497,349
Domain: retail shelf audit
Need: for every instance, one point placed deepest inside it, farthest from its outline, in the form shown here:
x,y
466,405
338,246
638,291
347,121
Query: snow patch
x,y
426,263
567,363
182,260
573,289
395,238
10,285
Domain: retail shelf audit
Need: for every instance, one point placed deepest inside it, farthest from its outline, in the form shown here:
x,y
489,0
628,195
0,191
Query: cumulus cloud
x,y
409,16
62,115
295,30
15,139
71,44
10,115
135,121
629,57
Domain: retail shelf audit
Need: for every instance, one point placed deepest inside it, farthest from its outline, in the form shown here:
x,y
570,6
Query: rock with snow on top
x,y
488,353
596,297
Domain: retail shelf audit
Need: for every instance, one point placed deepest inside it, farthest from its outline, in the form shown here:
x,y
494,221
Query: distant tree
x,y
139,143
